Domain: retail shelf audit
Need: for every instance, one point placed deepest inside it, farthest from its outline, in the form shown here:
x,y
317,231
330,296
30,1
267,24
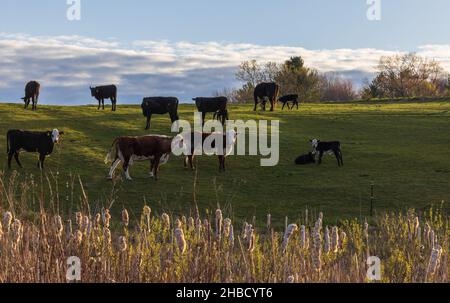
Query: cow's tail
x,y
112,155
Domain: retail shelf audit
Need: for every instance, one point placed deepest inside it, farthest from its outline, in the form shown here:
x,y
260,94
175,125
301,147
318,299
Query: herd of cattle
x,y
155,148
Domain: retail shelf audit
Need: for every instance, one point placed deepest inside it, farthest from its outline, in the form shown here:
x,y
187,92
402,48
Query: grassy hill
x,y
403,148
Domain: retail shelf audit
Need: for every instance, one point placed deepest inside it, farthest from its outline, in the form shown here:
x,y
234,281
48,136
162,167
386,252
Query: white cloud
x,y
67,65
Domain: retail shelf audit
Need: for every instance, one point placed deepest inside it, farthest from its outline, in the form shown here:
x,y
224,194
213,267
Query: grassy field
x,y
403,148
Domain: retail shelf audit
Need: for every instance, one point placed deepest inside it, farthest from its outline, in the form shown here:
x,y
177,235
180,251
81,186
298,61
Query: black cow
x,y
34,142
105,92
305,159
289,99
160,106
328,147
32,90
266,90
216,105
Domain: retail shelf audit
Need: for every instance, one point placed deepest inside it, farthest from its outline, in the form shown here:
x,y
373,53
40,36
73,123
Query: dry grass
x,y
35,245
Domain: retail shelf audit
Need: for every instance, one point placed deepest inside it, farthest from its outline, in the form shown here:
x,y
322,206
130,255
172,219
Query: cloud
x,y
67,65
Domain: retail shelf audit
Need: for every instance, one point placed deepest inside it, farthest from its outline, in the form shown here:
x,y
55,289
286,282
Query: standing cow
x,y
160,106
126,150
216,105
269,90
18,141
32,90
105,92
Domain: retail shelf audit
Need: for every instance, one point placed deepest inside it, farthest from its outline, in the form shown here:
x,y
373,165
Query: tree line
x,y
397,76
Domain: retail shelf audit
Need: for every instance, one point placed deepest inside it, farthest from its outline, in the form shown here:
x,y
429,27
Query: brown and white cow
x,y
127,150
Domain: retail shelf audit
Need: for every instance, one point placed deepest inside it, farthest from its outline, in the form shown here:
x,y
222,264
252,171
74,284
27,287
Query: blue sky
x,y
203,41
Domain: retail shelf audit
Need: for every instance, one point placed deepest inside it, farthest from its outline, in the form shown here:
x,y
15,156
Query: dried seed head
x,y
86,225
122,244
219,219
435,260
290,280
269,221
58,225
226,227
147,210
7,220
335,239
97,220
342,239
125,218
107,236
287,234
106,217
303,240
178,224
231,236
78,237
17,231
366,230
165,220
181,241
79,219
184,220
191,223
327,240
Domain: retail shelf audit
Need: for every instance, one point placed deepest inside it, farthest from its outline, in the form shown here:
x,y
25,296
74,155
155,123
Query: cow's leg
x,y
33,103
113,168
320,157
152,167
103,104
126,169
203,118
10,155
99,104
16,156
340,157
191,162
221,163
272,105
41,161
149,118
156,167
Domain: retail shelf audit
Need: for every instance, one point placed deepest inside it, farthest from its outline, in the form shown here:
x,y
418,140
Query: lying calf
x,y
327,147
305,159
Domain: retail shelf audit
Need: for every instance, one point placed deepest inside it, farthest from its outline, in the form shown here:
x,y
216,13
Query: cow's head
x,y
314,143
55,135
94,91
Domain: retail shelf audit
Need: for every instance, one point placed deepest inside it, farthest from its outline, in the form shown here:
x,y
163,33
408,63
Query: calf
x,y
32,90
305,159
18,141
105,92
160,106
327,147
126,150
216,105
192,147
289,99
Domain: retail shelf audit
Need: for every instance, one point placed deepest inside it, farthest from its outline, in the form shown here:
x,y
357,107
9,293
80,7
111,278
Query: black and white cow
x,y
333,147
18,141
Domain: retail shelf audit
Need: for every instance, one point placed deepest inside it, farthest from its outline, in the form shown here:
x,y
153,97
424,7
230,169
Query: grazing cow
x,y
327,147
228,142
305,159
32,90
126,150
289,99
266,90
18,141
105,92
216,105
160,106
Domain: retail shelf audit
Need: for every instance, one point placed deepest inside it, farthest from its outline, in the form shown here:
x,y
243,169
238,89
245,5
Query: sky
x,y
192,48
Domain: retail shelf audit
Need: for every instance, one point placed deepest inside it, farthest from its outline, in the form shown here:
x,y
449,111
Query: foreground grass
x,y
402,148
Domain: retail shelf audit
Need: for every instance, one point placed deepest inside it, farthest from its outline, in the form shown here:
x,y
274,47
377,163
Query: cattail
x,y
165,220
122,244
226,227
288,233
231,236
106,217
184,220
86,225
317,244
125,218
181,241
190,223
147,212
327,240
435,260
97,221
335,239
269,221
7,220
78,237
432,239
79,219
417,228
198,226
178,224
107,236
426,232
58,226
249,236
342,239
303,244
219,219
17,232
366,230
